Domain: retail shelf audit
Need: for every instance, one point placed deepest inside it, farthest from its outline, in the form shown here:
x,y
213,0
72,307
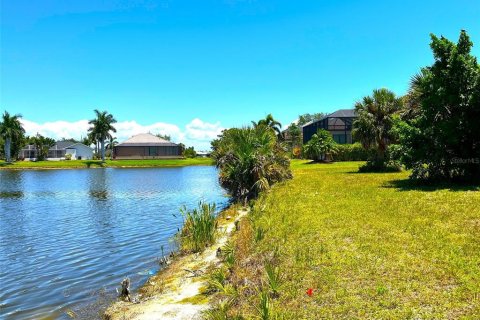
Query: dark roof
x,y
60,145
343,113
169,144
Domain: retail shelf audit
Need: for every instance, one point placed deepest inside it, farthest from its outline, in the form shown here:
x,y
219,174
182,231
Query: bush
x,y
442,140
321,146
68,156
198,231
353,152
389,163
189,153
250,160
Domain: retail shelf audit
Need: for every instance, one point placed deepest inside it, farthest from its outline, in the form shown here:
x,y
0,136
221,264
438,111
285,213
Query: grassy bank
x,y
72,164
369,245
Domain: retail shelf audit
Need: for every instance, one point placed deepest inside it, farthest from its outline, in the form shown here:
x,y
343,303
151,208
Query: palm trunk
x,y
8,142
102,145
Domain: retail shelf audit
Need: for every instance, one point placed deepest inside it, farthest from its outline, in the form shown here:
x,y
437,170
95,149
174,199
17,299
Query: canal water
x,y
68,237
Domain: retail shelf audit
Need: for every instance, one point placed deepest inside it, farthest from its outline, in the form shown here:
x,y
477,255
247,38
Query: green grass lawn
x,y
108,163
372,246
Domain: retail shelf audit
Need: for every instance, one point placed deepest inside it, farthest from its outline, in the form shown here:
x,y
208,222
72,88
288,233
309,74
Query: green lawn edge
x,y
369,245
80,164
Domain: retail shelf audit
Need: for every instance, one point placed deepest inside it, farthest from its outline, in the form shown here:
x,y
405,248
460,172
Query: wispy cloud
x,y
196,133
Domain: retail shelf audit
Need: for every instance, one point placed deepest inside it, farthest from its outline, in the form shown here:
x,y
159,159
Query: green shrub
x,y
250,160
189,153
321,146
198,231
353,152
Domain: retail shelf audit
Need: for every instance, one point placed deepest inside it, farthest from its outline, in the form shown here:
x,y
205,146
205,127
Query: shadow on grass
x,y
409,185
6,164
318,162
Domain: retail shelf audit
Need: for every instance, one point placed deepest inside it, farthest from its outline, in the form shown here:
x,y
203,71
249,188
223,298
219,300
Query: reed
x,y
199,227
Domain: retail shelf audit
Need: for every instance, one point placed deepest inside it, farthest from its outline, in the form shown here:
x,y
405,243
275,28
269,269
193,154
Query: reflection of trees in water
x,y
12,184
14,219
98,185
102,211
11,194
101,195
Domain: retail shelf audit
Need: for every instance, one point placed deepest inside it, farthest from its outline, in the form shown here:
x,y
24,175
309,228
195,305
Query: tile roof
x,y
146,139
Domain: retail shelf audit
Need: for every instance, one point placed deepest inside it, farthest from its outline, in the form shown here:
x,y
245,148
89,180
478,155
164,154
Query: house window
x,y
152,151
340,138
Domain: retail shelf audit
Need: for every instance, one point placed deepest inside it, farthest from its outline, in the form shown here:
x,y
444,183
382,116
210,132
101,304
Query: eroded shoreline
x,y
176,292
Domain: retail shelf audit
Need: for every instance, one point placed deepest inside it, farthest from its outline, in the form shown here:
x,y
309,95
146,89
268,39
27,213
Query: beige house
x,y
147,146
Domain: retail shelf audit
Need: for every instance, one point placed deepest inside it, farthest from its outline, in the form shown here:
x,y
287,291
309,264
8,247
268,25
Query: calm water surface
x,y
68,237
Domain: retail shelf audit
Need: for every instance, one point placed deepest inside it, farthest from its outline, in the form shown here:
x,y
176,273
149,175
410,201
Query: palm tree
x,y
101,128
112,142
320,146
10,129
269,122
375,120
250,161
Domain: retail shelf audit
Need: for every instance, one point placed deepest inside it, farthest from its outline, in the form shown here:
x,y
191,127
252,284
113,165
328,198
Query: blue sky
x,y
222,62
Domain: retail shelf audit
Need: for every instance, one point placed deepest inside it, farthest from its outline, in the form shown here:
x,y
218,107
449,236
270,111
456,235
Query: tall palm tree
x,y
102,125
269,122
112,142
10,129
375,120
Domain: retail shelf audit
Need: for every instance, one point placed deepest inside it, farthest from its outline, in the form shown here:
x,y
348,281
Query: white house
x,y
79,151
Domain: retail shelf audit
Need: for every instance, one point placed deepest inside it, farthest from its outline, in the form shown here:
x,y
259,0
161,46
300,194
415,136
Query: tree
x,y
189,152
250,160
112,143
320,146
441,140
307,117
42,145
11,129
86,141
102,125
164,136
373,127
295,135
270,123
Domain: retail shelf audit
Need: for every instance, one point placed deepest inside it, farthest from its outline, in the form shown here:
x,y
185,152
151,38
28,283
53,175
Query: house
x,y
338,123
203,154
147,146
78,151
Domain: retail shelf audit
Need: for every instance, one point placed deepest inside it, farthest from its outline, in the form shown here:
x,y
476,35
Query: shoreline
x,y
176,291
97,164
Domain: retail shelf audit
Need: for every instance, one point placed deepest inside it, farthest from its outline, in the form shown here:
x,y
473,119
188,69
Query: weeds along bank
x,y
250,161
335,243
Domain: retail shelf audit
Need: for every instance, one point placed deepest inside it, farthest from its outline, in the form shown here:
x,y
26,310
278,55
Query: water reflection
x,y
98,185
68,233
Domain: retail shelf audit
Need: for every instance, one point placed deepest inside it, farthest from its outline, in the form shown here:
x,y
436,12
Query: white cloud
x,y
197,133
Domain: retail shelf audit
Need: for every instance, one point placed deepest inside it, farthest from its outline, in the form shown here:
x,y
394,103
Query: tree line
x,y
433,130
100,134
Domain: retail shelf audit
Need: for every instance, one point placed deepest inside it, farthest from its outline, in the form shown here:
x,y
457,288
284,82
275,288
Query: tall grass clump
x,y
273,279
198,231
